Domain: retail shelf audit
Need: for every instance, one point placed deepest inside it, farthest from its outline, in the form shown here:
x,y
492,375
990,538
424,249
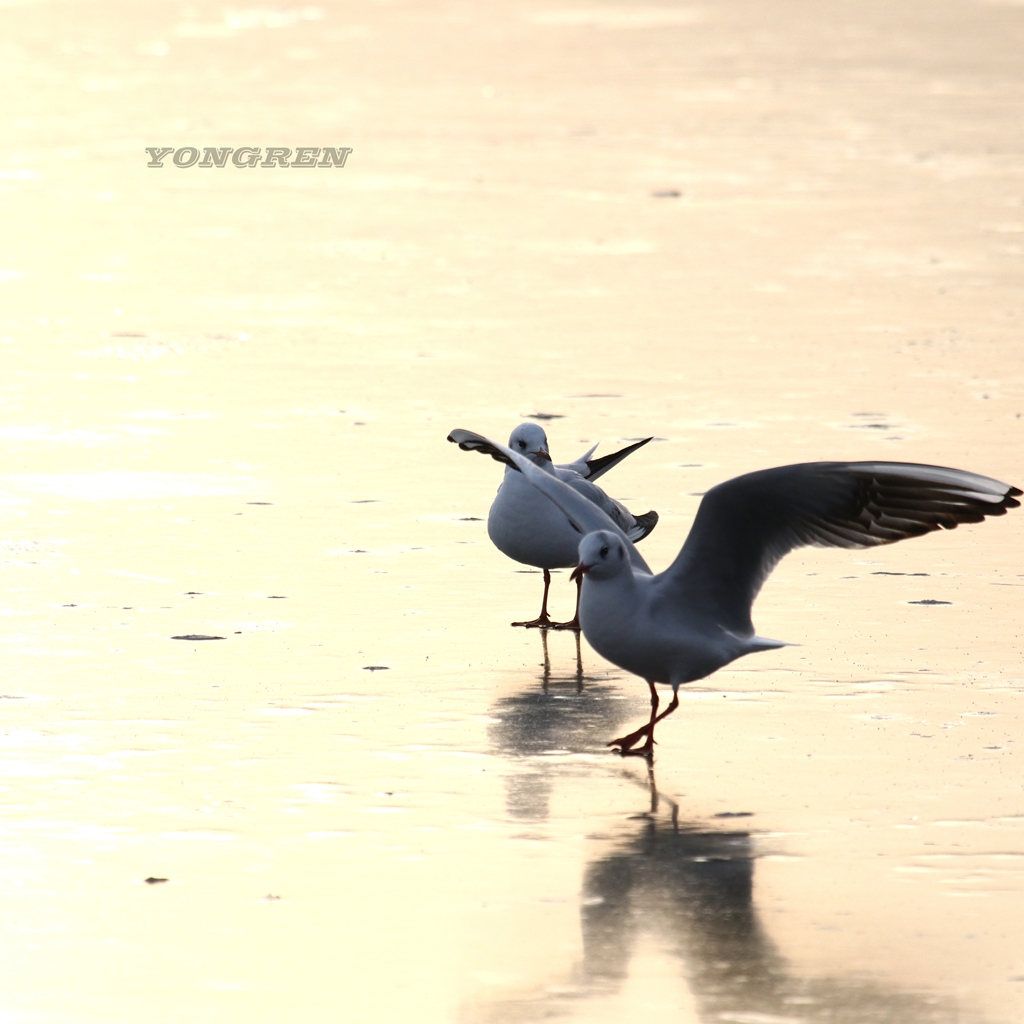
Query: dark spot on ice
x,y
259,503
152,880
470,519
735,814
364,501
884,573
376,668
193,593
277,597
929,600
69,606
668,193
196,636
545,416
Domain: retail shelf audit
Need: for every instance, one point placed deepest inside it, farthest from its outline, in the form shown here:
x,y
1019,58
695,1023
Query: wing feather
x,y
745,526
599,466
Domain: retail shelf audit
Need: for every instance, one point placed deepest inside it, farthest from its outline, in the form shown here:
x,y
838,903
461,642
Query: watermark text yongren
x,y
249,156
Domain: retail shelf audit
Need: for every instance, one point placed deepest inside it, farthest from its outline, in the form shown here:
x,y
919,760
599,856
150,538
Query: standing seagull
x,y
693,618
526,526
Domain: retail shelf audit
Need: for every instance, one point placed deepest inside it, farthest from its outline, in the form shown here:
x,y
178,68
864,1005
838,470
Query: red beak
x,y
543,455
580,571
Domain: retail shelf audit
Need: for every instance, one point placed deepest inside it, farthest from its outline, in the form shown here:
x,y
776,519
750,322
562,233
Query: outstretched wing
x,y
591,469
468,441
584,515
599,466
579,466
746,525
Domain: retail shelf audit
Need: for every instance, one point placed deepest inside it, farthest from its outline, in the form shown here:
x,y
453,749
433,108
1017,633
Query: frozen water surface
x,y
762,233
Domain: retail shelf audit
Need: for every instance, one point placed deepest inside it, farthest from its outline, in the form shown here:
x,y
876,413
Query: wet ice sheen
x,y
449,839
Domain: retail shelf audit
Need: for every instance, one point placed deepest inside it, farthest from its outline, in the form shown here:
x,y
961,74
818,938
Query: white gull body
x,y
686,622
528,527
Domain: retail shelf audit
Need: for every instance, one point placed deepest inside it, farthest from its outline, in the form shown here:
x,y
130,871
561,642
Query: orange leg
x,y
625,744
575,623
543,621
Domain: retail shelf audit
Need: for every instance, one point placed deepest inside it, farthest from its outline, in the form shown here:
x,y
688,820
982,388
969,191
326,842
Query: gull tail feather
x,y
764,643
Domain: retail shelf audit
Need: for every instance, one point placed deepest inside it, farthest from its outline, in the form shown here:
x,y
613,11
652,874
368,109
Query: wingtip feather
x,y
469,441
645,524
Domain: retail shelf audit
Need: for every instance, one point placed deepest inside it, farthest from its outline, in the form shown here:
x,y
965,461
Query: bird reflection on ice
x,y
692,886
683,888
547,679
567,713
687,888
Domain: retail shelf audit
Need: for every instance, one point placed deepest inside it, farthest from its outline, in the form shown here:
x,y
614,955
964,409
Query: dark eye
x,y
522,444
604,551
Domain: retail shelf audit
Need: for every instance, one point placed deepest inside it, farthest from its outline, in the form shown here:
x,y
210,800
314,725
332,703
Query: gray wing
x,y
585,516
634,527
746,525
591,469
579,467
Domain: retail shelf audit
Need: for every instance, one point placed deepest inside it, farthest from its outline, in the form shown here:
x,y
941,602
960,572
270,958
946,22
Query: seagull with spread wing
x,y
684,623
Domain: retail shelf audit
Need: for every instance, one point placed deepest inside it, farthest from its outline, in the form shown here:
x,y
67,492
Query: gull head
x,y
530,440
602,555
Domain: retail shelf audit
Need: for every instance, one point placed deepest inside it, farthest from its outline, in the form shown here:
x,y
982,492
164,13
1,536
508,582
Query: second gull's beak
x,y
580,571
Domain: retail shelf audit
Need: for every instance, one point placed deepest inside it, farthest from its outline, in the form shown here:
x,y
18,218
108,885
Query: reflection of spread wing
x,y
746,525
584,515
